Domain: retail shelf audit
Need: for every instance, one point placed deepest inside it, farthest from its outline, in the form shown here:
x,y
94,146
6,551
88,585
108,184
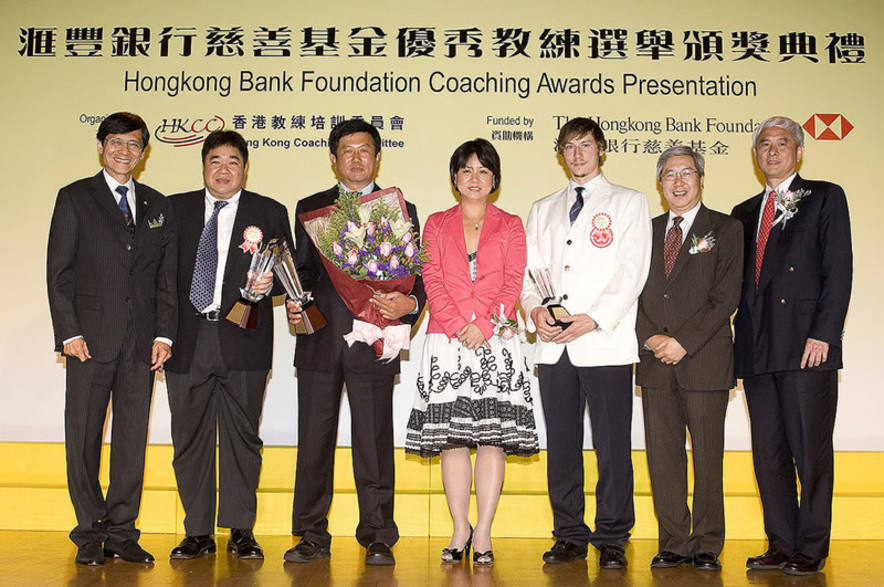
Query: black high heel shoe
x,y
450,555
488,557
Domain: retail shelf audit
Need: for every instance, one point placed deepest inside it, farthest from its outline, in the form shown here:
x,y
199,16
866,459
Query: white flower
x,y
401,228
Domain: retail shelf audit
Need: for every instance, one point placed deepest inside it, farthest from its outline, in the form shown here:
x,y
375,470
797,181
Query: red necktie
x,y
767,218
672,245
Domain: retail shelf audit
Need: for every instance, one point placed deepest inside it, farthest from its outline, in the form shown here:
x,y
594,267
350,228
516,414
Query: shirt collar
x,y
364,191
112,184
231,201
783,187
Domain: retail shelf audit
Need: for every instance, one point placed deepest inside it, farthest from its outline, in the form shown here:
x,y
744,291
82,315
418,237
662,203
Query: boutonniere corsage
x,y
702,244
787,203
503,326
156,222
252,237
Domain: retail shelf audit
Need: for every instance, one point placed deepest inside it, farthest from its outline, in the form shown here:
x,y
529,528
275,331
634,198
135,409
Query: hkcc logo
x,y
183,132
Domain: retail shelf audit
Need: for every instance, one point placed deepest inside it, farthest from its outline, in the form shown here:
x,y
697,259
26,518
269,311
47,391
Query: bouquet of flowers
x,y
504,327
368,248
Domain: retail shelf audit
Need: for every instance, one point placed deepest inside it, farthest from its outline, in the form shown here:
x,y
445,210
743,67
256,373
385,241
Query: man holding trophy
x,y
224,348
589,250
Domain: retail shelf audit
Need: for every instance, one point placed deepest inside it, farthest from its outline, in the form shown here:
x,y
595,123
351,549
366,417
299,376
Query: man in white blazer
x,y
595,239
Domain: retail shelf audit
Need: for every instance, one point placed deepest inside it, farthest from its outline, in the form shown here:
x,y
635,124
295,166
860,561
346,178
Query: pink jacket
x,y
453,298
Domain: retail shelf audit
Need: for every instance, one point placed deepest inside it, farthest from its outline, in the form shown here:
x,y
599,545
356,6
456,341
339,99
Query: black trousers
x,y
565,391
127,384
211,401
792,416
371,408
668,411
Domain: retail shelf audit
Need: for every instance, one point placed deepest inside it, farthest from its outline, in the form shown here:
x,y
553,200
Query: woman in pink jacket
x,y
473,388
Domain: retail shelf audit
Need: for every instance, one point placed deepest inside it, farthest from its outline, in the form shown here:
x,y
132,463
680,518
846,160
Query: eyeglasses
x,y
685,174
119,144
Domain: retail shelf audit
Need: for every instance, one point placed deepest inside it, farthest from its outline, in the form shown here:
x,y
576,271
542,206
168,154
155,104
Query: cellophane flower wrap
x,y
368,247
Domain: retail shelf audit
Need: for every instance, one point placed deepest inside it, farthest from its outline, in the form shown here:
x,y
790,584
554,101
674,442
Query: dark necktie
x,y
672,245
202,288
763,233
577,206
124,208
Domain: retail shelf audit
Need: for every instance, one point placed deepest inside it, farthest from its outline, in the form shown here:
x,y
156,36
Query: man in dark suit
x,y
111,281
325,363
796,288
217,378
686,366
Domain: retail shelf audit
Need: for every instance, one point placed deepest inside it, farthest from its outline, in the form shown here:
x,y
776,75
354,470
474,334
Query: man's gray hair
x,y
782,122
679,151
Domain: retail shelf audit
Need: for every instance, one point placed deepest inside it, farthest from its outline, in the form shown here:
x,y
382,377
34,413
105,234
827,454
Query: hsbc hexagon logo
x,y
828,127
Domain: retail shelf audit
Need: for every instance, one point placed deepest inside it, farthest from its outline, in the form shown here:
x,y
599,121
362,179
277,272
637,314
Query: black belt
x,y
211,316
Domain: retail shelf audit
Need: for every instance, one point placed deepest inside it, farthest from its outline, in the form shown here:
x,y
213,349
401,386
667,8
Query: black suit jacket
x,y
693,306
94,274
326,348
804,287
242,349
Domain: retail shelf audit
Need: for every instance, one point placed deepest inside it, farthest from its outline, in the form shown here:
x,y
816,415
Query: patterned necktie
x,y
202,288
577,206
124,208
672,245
767,218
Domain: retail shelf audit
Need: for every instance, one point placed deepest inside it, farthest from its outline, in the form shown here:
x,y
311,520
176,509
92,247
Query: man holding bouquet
x,y
325,362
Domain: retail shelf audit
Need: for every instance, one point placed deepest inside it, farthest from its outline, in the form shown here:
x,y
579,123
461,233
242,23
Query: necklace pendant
x,y
476,227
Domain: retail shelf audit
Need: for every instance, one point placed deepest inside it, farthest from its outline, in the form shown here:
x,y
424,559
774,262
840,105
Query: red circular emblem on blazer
x,y
601,234
251,239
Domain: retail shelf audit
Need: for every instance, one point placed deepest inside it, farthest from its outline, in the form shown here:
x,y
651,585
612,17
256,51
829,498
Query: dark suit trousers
x,y
565,390
667,412
371,408
126,382
211,400
792,415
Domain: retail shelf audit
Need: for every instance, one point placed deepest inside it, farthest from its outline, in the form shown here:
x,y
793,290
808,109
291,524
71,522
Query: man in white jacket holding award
x,y
594,239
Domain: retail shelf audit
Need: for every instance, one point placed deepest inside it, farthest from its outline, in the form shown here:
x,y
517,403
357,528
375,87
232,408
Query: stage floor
x,y
47,559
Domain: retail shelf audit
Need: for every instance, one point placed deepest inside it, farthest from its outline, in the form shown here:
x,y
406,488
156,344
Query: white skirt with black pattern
x,y
470,398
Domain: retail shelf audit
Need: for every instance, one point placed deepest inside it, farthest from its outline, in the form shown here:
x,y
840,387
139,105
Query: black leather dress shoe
x,y
668,559
193,547
379,554
242,544
706,561
612,556
306,551
772,560
564,552
802,564
128,550
90,554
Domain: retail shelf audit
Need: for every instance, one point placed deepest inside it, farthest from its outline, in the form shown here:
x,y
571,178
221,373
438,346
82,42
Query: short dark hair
x,y
120,123
578,127
351,127
482,149
219,138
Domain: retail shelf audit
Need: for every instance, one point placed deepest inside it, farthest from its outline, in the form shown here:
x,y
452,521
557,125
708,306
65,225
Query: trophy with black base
x,y
244,313
284,267
552,302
